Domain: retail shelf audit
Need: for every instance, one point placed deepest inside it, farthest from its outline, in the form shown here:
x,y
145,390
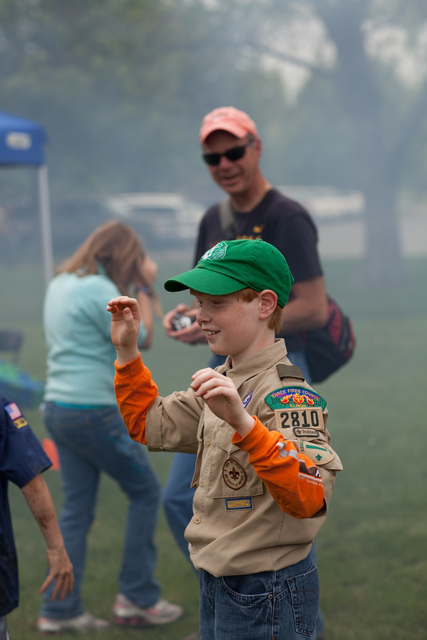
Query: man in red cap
x,y
232,151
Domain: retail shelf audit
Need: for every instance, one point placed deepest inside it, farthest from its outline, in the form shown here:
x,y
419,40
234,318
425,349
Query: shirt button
x,y
197,519
201,483
208,442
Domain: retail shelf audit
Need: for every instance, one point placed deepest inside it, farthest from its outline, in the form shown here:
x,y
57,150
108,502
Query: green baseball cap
x,y
232,265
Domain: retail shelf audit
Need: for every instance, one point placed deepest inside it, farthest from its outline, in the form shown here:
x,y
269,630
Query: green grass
x,y
371,551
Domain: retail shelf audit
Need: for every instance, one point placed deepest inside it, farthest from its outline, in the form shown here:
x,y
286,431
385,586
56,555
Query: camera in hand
x,y
180,321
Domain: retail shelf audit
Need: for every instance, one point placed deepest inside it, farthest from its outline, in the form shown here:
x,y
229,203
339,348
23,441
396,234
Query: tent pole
x,y
46,230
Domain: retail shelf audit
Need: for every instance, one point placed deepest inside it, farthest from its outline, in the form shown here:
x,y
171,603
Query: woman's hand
x,y
148,270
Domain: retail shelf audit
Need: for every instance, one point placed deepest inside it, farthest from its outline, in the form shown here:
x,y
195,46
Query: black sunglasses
x,y
213,159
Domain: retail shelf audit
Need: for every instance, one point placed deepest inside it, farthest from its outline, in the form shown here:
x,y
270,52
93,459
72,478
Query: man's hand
x,y
60,570
125,323
222,398
38,497
190,335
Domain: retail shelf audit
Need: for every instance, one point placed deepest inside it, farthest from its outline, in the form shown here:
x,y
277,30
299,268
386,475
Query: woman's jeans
x,y
89,442
178,494
273,604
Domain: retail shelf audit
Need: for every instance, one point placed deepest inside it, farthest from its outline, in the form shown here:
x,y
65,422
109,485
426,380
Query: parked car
x,y
72,220
327,204
163,220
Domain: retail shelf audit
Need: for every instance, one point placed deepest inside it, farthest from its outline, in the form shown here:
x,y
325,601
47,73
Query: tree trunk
x,y
360,95
383,260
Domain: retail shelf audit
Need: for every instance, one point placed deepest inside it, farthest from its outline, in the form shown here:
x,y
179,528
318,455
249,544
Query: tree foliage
x,y
371,57
122,85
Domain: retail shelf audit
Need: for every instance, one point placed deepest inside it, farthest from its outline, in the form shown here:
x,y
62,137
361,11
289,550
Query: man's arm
x,y
307,308
39,500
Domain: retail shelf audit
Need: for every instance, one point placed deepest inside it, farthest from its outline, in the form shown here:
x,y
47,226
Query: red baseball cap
x,y
228,119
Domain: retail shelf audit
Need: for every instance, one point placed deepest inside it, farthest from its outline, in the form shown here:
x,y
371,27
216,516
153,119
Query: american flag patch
x,y
13,411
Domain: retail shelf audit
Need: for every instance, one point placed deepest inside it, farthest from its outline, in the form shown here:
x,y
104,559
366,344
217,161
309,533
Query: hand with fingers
x,y
125,322
220,394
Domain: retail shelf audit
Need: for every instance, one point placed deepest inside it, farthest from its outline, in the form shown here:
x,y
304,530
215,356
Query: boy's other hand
x,y
222,398
125,323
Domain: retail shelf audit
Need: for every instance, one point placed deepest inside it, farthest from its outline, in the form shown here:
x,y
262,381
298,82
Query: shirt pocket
x,y
229,473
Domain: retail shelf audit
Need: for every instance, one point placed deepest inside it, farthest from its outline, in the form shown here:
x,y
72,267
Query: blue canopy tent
x,y
22,144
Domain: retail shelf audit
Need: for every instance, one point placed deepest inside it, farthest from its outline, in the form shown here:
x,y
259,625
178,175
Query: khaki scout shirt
x,y
237,527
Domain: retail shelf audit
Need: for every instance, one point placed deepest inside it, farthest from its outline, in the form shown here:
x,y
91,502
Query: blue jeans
x,y
89,442
178,494
273,604
4,635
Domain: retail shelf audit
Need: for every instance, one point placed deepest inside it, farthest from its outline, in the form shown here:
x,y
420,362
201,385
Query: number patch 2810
x,y
299,417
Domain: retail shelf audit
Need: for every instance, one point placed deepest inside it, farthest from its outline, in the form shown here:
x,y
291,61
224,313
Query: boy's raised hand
x,y
222,398
125,323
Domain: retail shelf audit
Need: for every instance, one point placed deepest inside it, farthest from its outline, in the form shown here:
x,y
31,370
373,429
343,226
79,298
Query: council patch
x,y
297,397
297,407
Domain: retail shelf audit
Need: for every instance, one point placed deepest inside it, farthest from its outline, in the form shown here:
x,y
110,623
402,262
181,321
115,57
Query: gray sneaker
x,y
85,622
127,613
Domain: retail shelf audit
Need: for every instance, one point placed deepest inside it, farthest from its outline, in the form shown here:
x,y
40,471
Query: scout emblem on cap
x,y
297,407
216,253
233,474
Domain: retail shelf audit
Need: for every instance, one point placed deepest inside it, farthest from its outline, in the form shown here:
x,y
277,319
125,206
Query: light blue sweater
x,y
80,354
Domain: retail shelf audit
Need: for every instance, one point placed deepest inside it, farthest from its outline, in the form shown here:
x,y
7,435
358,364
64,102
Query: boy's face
x,y
232,326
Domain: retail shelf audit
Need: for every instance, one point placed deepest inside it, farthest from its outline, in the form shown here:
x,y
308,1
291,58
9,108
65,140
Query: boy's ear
x,y
268,303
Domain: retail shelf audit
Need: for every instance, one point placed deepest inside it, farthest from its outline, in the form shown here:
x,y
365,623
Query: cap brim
x,y
204,281
230,127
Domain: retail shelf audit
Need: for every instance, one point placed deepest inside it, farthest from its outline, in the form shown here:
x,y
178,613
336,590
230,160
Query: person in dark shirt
x,y
22,461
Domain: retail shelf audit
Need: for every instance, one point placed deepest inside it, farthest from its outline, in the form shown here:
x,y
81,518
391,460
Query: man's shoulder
x,y
281,203
211,212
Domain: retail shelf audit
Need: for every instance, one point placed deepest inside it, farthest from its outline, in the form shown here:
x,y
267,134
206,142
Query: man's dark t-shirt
x,y
283,223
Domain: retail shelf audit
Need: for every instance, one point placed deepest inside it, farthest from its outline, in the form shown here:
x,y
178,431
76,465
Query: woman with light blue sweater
x,y
81,415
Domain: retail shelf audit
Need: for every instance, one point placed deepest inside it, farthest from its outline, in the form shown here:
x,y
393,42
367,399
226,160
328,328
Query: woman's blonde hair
x,y
117,248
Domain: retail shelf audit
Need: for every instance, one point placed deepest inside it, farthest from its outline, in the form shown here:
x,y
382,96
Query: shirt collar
x,y
261,361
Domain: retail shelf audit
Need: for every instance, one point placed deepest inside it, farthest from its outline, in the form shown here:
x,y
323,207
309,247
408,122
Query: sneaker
x,y
127,613
85,622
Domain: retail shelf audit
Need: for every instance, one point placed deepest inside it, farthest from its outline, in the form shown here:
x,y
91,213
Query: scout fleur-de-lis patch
x,y
233,474
216,253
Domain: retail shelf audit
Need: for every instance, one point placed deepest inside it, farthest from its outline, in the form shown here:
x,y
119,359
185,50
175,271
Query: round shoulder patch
x,y
320,454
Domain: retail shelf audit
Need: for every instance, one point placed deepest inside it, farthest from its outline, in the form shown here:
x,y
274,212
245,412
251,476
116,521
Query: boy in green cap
x,y
265,471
